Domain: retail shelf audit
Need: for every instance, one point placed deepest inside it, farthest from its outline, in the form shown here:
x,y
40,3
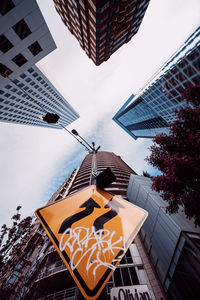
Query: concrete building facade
x,y
102,26
151,110
25,92
171,241
28,97
24,37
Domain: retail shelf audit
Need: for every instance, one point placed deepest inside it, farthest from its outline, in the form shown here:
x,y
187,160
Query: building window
x,y
125,276
30,70
35,48
4,71
21,85
22,29
19,59
5,44
6,6
23,76
7,95
127,258
35,74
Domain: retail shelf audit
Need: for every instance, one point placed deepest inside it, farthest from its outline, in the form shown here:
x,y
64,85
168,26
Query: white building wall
x,y
28,11
29,96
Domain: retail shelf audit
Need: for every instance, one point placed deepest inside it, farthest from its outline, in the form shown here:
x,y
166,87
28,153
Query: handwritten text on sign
x,y
87,243
91,231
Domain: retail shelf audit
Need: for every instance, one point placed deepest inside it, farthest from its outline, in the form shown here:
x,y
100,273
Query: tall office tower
x,y
171,241
102,26
43,275
103,160
151,110
24,37
30,96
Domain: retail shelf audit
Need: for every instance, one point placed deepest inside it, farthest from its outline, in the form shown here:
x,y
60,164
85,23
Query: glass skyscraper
x,y
151,110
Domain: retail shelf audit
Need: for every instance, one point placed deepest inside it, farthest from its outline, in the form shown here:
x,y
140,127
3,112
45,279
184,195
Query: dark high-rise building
x,y
42,275
102,26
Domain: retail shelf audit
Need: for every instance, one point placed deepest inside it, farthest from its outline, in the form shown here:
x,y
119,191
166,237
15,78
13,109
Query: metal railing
x,y
61,295
51,271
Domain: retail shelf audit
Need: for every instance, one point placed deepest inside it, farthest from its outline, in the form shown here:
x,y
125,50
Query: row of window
x,y
37,87
157,122
173,85
20,108
26,122
46,85
176,80
12,102
154,96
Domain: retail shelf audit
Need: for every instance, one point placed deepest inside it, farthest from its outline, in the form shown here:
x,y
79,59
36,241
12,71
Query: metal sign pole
x,y
94,171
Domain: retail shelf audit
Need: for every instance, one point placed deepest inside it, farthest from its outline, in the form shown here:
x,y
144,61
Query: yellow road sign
x,y
91,231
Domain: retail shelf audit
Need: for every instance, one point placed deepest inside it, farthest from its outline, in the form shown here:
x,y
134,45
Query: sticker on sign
x,y
132,292
91,230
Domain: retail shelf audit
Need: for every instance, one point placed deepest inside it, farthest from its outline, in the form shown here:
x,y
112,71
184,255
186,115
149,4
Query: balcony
x,y
51,271
50,280
61,295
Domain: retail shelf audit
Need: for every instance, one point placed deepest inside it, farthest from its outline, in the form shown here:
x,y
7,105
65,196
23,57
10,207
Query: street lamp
x,y
94,172
77,134
103,179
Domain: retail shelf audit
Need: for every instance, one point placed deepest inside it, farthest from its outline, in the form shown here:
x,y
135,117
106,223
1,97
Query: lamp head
x,y
75,132
51,118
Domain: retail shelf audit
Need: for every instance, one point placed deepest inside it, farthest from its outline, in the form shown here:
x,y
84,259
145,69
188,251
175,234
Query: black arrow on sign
x,y
100,221
90,204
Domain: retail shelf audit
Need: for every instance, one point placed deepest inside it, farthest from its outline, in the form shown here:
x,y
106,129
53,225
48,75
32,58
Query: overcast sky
x,y
34,161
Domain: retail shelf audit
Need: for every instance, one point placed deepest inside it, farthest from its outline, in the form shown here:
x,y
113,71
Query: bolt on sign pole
x,y
91,230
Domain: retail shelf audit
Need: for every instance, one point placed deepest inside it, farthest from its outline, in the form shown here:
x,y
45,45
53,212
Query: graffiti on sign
x,y
78,243
91,231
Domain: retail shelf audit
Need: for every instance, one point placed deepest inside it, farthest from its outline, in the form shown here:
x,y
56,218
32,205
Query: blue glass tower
x,y
152,109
